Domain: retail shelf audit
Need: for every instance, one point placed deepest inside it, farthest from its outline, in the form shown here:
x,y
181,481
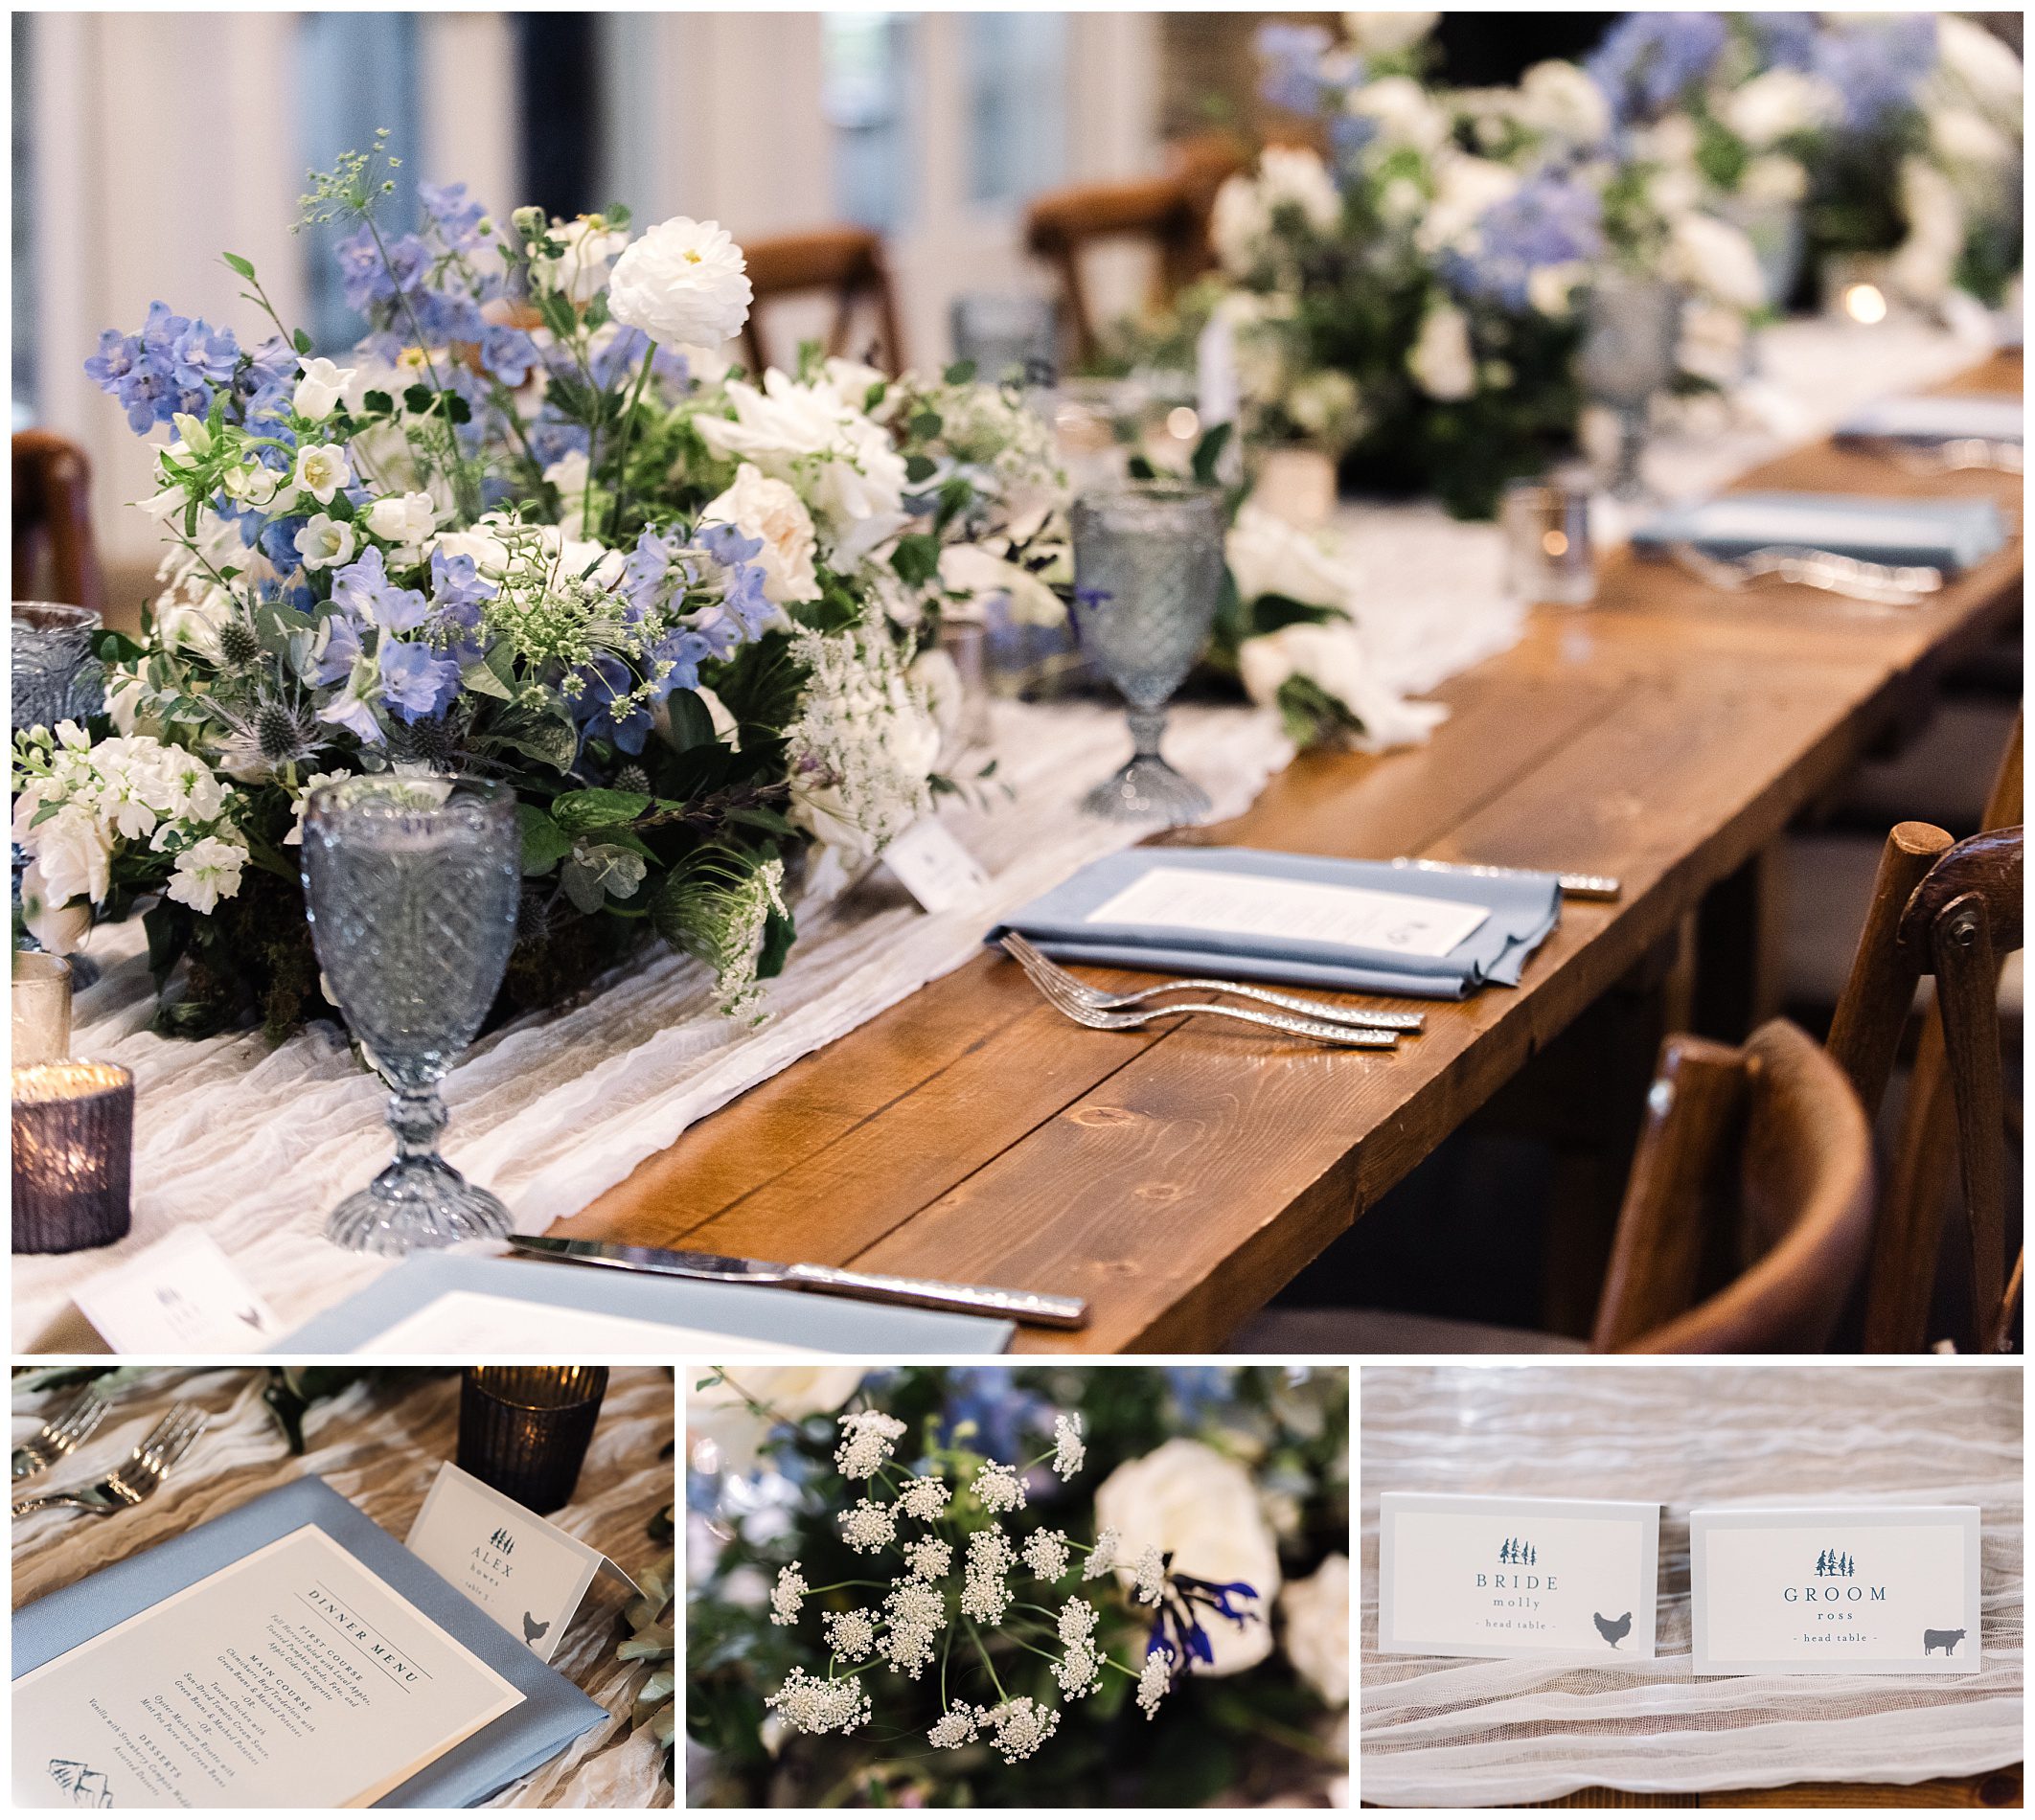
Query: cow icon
x,y
1949,1639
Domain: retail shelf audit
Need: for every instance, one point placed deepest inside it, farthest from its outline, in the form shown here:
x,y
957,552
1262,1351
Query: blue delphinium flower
x,y
509,353
456,215
459,590
1786,40
1877,65
176,363
417,682
1547,220
608,681
334,659
363,590
1292,59
1649,60
684,651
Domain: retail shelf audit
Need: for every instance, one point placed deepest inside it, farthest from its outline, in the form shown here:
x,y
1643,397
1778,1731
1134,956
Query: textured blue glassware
x,y
412,887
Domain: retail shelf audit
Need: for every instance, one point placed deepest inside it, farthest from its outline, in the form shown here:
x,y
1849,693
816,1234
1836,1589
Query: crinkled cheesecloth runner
x,y
256,1146
1452,1733
381,1446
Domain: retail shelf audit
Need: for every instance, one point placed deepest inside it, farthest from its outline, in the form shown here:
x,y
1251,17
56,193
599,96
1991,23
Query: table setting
x,y
307,1586
538,755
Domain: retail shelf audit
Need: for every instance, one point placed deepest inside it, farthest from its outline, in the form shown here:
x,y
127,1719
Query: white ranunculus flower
x,y
1776,102
1316,1617
684,282
320,389
1563,100
1441,359
1714,259
326,542
591,245
322,470
74,851
1268,555
60,926
720,1416
1387,34
760,507
968,568
403,518
1404,113
1186,1499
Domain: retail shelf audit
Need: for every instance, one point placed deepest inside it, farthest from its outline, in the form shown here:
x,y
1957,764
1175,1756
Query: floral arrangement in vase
x,y
954,1587
533,526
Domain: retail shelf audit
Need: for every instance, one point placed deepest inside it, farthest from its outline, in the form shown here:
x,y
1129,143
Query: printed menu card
x,y
291,1676
1887,1591
1513,1575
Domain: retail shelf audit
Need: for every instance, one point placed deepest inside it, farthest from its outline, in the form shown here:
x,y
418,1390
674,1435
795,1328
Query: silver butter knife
x,y
1574,884
918,1292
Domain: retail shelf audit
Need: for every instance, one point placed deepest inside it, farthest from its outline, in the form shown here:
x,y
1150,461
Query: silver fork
x,y
1070,1006
60,1434
1878,583
1037,963
139,1476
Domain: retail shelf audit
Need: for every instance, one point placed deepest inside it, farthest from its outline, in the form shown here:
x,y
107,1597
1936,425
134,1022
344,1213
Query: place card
x,y
291,1677
935,867
182,1295
1294,909
526,1574
1795,1591
1515,1575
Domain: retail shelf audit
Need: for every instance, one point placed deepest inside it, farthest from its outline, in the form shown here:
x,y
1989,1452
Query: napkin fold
x,y
551,1715
1521,911
1950,535
1938,417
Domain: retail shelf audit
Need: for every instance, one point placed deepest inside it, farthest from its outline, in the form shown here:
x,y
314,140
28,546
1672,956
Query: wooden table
x,y
1178,1177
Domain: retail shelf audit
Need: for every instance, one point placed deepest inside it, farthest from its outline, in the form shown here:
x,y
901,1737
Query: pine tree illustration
x,y
1531,1557
1847,1566
1823,1562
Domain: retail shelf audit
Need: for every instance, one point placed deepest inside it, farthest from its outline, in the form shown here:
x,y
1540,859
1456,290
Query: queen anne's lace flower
x,y
868,1438
1018,1727
915,1614
924,1498
928,1558
1102,1557
1069,1451
850,1633
1150,1577
1153,1683
999,1488
789,1594
1046,1554
868,1527
810,1703
955,1727
1079,1671
984,1595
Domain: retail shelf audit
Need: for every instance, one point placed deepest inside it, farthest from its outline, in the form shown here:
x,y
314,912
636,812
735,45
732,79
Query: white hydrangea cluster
x,y
813,1703
930,1558
1102,1557
914,1613
788,1595
985,1595
1046,1554
1150,1573
1069,1451
850,1633
999,1488
868,1439
1153,1683
867,1527
924,1499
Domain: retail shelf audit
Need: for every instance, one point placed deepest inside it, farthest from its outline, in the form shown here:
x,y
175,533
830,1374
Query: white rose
x,y
1715,259
967,568
1778,102
1441,359
1268,555
760,507
73,851
1186,1499
321,388
60,926
1387,34
580,271
720,1417
1563,100
403,518
1315,1615
326,543
684,282
1402,112
322,470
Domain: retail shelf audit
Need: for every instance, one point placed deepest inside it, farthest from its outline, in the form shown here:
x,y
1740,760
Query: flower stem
x,y
982,1650
628,425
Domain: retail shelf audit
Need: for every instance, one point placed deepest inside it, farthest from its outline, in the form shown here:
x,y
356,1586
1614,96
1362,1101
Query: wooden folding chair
x,y
848,262
55,557
1748,1208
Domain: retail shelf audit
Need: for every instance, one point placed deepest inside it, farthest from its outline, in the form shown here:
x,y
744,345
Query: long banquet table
x,y
1179,1176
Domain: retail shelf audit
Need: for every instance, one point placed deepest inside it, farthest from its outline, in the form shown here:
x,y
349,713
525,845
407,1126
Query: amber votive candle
x,y
524,1429
74,1146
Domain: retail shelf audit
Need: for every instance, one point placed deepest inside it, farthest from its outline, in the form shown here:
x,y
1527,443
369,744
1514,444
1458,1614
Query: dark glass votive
x,y
524,1429
74,1145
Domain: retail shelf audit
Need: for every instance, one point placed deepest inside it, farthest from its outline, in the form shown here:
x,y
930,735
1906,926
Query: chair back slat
x,y
848,263
52,522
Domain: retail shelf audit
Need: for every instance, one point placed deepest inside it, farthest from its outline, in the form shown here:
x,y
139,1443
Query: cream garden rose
x,y
684,282
719,1414
760,507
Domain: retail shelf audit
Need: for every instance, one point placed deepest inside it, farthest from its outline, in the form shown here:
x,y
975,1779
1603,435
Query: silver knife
x,y
1572,884
919,1292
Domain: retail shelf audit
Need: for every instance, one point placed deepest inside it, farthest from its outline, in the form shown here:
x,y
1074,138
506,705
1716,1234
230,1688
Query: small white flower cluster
x,y
915,1614
999,1488
1079,1671
1018,1727
868,1438
1150,1577
924,1499
850,1633
811,1703
930,1558
1152,1682
1102,1557
985,1595
1046,1554
867,1527
1069,1451
955,1727
788,1595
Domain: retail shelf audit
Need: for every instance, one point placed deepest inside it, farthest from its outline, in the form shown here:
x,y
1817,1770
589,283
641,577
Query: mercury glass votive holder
x,y
74,1146
1548,560
524,1429
43,1007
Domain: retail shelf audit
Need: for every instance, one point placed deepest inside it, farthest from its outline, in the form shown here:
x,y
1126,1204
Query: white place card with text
x,y
1515,1575
1885,1591
526,1574
181,1295
1293,909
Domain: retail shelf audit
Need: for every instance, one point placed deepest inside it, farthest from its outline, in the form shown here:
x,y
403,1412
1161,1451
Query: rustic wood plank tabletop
x,y
1179,1176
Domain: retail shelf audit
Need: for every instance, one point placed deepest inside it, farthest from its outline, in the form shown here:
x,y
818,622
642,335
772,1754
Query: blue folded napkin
x,y
1950,535
1939,417
551,1715
742,1311
1520,912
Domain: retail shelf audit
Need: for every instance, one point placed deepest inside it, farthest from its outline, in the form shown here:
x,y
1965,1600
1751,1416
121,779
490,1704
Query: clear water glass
x,y
1148,578
1633,325
1012,336
412,886
56,675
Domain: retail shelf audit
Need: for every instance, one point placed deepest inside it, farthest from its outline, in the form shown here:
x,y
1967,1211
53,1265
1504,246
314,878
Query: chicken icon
x,y
533,1630
1612,1631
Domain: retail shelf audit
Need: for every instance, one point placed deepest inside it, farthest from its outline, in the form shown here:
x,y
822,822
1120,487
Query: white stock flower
x,y
1387,34
1315,1616
326,542
1200,1507
1288,178
591,245
683,283
403,518
207,872
720,1421
322,470
320,389
760,507
74,851
1441,359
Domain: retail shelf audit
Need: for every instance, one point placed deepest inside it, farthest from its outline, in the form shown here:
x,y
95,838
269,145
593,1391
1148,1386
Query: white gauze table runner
x,y
1447,1733
381,1446
256,1146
